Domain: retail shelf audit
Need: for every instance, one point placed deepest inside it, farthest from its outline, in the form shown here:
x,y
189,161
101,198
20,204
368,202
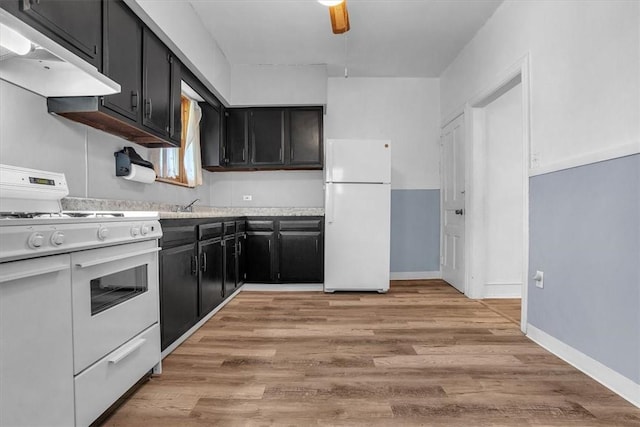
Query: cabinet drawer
x,y
103,383
241,226
174,236
229,228
209,231
260,225
302,225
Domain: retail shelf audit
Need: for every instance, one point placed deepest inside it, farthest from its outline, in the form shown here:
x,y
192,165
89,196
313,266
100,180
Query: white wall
x,y
30,137
186,32
268,189
278,85
405,110
584,73
503,197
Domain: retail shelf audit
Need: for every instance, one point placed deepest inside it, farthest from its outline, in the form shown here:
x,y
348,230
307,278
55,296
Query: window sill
x,y
171,181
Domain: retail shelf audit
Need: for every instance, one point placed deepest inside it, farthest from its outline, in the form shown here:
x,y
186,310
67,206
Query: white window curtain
x,y
192,161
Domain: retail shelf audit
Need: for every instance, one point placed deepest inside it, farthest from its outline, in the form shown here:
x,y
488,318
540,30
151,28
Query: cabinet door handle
x,y
243,154
148,108
269,245
134,100
194,265
280,154
316,245
204,261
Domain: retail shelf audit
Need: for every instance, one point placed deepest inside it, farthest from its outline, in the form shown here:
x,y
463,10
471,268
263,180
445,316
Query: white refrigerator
x,y
357,215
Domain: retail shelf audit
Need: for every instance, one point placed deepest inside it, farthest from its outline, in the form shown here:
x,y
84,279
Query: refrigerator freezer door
x,y
352,160
357,237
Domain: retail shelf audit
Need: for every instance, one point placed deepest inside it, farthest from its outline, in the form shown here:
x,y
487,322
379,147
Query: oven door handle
x,y
116,258
120,354
32,273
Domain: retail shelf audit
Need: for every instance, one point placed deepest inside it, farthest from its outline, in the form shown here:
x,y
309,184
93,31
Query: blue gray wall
x,y
415,230
585,236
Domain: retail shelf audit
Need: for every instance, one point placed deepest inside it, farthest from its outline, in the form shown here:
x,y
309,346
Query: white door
x,y
357,242
452,172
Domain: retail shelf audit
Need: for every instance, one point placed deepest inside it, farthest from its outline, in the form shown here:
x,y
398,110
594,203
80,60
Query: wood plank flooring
x,y
507,307
422,354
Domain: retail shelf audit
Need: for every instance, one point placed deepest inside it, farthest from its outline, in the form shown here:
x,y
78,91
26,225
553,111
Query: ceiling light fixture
x,y
330,2
14,41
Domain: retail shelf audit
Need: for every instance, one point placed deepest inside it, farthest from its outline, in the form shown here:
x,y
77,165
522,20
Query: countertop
x,y
169,211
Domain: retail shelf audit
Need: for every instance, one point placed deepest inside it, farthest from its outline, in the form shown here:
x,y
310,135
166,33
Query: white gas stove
x,y
33,224
78,302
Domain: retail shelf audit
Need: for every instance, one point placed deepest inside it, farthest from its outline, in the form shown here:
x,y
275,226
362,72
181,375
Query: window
x,y
182,166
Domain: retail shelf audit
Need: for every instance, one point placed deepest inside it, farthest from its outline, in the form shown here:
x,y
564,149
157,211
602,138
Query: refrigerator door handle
x,y
329,161
329,203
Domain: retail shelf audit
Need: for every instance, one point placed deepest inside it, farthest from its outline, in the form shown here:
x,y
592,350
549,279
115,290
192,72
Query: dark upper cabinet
x,y
267,136
175,103
211,271
305,136
178,292
77,25
122,58
236,152
211,135
156,81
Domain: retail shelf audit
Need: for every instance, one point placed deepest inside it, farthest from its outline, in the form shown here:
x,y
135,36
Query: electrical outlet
x,y
247,198
539,279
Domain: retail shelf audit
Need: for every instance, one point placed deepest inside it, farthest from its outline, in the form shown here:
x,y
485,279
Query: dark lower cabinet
x,y
178,292
258,252
241,243
229,249
300,256
211,275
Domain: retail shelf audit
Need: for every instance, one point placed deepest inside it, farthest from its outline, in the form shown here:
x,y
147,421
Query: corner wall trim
x,y
415,275
606,376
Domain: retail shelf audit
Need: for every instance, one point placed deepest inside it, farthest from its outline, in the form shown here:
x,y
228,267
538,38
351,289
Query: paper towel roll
x,y
141,174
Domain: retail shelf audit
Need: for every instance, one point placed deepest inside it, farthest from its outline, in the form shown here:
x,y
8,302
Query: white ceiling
x,y
388,38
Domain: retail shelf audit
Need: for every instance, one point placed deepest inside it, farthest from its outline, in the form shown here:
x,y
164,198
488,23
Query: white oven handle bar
x,y
32,273
126,350
116,258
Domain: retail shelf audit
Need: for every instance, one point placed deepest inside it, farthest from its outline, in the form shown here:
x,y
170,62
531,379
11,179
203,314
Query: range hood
x,y
47,68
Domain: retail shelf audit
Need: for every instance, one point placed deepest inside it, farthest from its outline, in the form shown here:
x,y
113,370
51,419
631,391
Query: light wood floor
x,y
422,354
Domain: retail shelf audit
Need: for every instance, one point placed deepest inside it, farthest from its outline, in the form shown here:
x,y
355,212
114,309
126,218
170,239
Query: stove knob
x,y
36,240
144,230
135,231
103,233
57,238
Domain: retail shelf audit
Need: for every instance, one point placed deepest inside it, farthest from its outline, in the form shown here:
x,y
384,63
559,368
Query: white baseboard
x,y
198,325
289,287
606,376
607,153
415,275
502,290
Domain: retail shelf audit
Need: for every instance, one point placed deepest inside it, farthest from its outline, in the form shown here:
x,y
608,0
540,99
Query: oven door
x,y
115,297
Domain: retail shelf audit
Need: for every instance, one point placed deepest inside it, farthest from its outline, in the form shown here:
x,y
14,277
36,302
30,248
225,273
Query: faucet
x,y
187,208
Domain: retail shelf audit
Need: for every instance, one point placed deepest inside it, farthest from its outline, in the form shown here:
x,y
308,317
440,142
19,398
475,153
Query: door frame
x,y
475,163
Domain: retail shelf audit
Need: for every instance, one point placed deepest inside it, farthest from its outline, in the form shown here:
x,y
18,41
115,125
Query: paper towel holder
x,y
125,158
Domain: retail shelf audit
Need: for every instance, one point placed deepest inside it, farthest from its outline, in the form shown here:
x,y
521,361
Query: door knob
x,y
459,211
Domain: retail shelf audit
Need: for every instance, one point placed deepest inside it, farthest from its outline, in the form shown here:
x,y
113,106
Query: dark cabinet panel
x,y
236,151
229,265
122,60
178,292
78,24
175,103
211,279
211,136
300,256
267,136
258,250
305,136
156,84
241,242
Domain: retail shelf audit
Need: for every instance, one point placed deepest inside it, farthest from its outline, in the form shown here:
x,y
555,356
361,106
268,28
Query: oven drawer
x,y
98,387
114,296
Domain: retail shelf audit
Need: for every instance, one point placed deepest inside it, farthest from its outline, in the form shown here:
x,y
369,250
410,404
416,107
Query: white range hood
x,y
49,69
